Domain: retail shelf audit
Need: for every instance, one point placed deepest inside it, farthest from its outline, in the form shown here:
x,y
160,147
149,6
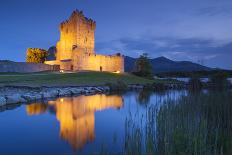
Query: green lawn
x,y
68,79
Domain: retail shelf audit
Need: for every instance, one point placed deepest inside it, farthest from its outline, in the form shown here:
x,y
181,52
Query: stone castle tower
x,y
75,49
78,31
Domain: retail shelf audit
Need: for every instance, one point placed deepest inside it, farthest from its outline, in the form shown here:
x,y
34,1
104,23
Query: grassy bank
x,y
68,79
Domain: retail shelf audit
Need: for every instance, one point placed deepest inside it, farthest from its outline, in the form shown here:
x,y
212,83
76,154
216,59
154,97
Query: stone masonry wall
x,y
21,67
78,31
97,62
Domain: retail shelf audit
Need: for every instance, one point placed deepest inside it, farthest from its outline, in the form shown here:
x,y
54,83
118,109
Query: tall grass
x,y
197,124
219,81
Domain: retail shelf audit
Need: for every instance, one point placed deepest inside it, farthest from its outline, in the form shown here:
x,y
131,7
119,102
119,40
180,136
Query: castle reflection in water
x,y
76,115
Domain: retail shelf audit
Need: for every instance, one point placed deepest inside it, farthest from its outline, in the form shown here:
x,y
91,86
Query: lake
x,y
202,79
144,122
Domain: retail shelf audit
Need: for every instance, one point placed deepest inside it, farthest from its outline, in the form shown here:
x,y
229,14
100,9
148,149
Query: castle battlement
x,y
80,15
109,56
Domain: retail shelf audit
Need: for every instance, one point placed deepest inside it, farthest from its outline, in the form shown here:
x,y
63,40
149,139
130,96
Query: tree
x,y
143,66
52,53
220,80
36,55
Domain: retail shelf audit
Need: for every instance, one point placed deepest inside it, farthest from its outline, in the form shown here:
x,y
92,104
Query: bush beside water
x,y
219,81
119,85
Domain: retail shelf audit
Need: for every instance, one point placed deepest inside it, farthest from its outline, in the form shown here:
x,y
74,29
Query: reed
x,y
199,123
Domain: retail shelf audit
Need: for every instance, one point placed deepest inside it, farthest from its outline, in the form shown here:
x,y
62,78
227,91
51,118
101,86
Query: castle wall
x,y
52,62
97,62
75,50
21,67
78,31
66,65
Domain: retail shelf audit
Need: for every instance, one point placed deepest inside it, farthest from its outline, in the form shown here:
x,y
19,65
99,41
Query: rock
x,y
76,91
65,92
103,88
98,89
50,93
2,101
90,93
86,91
15,98
46,95
106,88
32,97
90,90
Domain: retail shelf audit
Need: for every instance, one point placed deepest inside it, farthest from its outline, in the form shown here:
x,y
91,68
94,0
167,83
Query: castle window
x,y
74,47
86,39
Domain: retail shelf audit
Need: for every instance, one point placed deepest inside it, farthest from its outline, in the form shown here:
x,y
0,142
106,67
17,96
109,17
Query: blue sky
x,y
195,30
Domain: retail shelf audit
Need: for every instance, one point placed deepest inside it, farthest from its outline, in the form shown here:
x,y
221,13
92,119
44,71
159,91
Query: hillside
x,y
162,64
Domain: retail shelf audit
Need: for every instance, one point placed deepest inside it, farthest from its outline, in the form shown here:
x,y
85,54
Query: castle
x,y
75,49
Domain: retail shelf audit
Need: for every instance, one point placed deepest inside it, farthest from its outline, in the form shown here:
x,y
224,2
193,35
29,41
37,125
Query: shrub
x,y
36,55
120,85
219,80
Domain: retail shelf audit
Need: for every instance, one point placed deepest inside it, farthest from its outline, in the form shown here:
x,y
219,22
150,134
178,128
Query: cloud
x,y
208,57
192,49
215,11
178,29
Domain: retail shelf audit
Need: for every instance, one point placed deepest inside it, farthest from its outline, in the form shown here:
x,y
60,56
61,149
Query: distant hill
x,y
162,64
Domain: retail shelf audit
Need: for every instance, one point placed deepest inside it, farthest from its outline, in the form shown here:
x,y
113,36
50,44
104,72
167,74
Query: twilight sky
x,y
195,30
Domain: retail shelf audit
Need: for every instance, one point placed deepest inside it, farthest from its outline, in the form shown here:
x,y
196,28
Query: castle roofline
x,y
77,13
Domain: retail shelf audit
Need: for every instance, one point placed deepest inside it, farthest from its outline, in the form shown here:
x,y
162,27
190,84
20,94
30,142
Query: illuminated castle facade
x,y
75,49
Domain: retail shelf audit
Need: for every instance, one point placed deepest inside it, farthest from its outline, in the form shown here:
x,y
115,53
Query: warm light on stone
x,y
75,49
77,115
36,108
117,72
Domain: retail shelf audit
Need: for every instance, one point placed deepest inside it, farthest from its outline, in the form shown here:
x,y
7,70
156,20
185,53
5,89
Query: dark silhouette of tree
x,y
143,66
52,51
219,80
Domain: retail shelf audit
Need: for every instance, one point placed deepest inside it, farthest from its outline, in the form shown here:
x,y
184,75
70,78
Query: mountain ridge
x,y
163,64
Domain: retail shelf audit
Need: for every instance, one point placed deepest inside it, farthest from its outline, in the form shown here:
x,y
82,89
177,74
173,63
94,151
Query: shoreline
x,y
24,94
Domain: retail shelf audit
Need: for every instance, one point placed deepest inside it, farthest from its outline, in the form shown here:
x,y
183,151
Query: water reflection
x,y
36,108
143,97
76,115
170,122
